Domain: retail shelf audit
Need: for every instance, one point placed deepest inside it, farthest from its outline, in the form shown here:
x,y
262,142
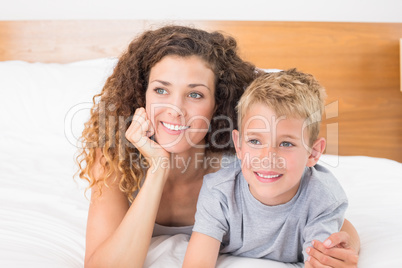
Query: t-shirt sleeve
x,y
210,218
322,225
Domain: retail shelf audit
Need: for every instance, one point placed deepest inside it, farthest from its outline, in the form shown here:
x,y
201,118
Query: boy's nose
x,y
269,154
270,148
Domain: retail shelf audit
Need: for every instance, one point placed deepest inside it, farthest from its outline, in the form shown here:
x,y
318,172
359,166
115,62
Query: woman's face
x,y
180,102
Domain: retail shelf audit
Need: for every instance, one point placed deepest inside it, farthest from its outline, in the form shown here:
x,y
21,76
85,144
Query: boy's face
x,y
273,154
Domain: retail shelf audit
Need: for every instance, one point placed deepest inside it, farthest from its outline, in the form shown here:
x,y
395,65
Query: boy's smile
x,y
267,176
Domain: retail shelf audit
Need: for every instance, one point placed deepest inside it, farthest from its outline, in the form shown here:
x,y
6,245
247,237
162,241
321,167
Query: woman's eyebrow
x,y
165,83
199,85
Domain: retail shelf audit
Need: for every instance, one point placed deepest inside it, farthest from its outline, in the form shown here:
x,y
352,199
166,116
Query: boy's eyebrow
x,y
289,137
165,83
258,133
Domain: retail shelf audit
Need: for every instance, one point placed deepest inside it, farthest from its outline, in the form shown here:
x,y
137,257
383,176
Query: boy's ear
x,y
236,141
316,151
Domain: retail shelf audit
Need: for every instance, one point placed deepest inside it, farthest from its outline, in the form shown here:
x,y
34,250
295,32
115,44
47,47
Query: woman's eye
x,y
195,95
160,91
255,142
286,144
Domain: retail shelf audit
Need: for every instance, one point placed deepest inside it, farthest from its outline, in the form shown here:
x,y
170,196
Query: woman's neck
x,y
193,164
189,165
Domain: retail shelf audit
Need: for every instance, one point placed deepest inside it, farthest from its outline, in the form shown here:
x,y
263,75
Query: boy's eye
x,y
160,91
255,142
195,95
286,144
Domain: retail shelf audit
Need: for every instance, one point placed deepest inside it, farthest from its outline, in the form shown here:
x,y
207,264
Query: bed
x,y
49,71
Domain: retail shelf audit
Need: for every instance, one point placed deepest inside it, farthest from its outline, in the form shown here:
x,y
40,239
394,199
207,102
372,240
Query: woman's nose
x,y
177,107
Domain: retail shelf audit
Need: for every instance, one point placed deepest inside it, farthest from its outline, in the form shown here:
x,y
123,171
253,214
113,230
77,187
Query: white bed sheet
x,y
43,209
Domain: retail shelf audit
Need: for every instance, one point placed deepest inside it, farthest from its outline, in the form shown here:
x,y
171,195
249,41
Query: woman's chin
x,y
180,147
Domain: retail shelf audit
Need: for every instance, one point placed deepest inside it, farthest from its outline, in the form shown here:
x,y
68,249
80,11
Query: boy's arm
x,y
202,251
321,226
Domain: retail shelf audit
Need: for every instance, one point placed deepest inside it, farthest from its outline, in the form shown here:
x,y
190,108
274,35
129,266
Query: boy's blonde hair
x,y
288,93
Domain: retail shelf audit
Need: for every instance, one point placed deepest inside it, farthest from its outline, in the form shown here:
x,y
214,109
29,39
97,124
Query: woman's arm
x,y
202,251
354,241
119,235
338,250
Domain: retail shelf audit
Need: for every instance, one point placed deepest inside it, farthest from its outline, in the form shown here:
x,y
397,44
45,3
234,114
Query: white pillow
x,y
38,100
42,209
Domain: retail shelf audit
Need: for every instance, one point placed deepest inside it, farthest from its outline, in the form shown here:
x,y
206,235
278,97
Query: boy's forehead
x,y
262,122
265,120
260,115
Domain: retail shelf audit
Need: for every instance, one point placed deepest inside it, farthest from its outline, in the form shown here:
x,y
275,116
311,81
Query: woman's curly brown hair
x,y
124,92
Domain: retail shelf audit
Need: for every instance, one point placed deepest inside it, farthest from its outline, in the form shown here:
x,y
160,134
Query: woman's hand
x,y
338,250
139,134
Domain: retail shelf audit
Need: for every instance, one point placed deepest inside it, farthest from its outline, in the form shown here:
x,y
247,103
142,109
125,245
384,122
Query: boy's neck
x,y
277,201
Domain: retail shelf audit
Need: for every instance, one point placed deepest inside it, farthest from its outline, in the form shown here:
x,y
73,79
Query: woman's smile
x,y
174,129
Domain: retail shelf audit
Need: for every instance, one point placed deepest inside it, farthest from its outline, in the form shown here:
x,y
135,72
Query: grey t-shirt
x,y
228,212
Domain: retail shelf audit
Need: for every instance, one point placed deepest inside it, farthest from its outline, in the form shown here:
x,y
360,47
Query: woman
x,y
162,121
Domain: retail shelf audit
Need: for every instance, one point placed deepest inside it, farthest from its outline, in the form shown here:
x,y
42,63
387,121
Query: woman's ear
x,y
236,141
316,152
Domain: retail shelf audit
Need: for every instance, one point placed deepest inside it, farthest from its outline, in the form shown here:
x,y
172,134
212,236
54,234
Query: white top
x,y
171,230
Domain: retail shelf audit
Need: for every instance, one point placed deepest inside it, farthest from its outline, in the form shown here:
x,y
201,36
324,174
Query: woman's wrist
x,y
159,170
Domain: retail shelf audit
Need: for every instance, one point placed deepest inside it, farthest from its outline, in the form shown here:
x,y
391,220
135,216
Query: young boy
x,y
274,200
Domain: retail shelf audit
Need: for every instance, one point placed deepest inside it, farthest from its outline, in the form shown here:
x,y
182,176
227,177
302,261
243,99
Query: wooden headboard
x,y
358,63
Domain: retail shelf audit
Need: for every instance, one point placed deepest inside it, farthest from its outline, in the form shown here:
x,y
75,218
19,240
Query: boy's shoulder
x,y
225,176
323,185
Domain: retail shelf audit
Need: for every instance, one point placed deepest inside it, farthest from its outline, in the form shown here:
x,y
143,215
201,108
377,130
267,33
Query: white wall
x,y
279,10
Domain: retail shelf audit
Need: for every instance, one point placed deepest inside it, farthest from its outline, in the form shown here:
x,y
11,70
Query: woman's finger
x,y
139,133
151,130
139,124
320,259
313,262
334,257
341,239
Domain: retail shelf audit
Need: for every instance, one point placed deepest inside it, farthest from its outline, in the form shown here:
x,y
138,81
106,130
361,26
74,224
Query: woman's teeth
x,y
174,127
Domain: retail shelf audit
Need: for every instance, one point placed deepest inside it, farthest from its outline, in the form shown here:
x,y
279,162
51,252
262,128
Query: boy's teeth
x,y
268,176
